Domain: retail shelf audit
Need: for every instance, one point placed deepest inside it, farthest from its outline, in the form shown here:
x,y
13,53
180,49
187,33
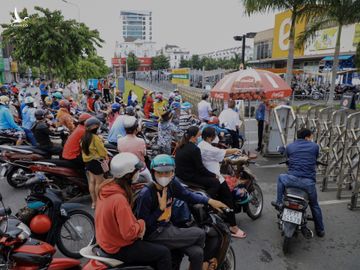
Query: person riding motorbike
x,y
118,232
113,114
72,147
231,121
64,117
159,105
302,157
166,131
42,133
8,126
154,205
148,107
28,119
211,158
57,97
132,144
186,118
204,108
117,130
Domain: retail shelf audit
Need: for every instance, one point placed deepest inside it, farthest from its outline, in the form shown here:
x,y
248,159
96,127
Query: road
x,y
339,249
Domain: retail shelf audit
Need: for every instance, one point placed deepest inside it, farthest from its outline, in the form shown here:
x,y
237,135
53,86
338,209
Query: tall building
x,y
230,53
136,25
175,54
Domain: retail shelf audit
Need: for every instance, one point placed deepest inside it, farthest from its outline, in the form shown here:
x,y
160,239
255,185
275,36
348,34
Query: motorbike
x,y
65,225
19,251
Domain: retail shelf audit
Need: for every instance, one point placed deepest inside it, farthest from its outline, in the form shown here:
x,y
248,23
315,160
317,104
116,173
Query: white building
x,y
139,47
136,25
230,53
175,54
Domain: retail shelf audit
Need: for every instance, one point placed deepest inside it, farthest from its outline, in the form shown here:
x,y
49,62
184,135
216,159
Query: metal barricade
x,y
349,177
301,117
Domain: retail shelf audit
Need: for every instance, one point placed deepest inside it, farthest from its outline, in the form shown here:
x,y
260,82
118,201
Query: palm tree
x,y
340,12
299,10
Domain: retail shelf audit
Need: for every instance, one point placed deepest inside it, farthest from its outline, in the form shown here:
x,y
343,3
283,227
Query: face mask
x,y
199,139
216,140
163,181
135,176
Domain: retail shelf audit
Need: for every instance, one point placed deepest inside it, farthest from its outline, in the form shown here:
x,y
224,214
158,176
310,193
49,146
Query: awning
x,y
341,57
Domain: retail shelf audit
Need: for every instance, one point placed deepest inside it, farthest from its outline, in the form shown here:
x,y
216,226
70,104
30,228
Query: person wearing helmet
x,y
8,127
159,105
144,97
72,147
94,154
42,134
106,91
148,107
118,232
132,144
117,130
176,111
48,101
214,122
186,117
98,104
132,99
55,102
113,114
166,132
204,108
118,96
230,120
211,157
154,205
90,102
64,117
44,90
28,119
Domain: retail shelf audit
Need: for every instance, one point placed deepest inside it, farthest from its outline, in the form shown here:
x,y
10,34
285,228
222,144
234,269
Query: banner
x,y
325,39
180,76
356,39
282,34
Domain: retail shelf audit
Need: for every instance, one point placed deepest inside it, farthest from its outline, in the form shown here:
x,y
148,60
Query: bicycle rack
x,y
350,164
336,147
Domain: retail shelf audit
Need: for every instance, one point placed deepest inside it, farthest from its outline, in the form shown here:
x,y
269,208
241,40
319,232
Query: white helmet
x,y
29,100
124,163
130,121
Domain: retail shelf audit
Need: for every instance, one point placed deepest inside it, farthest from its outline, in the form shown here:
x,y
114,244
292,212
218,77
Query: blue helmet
x,y
163,163
115,107
186,105
175,105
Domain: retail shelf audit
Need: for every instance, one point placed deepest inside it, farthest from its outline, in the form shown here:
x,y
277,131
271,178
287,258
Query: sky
x,y
200,26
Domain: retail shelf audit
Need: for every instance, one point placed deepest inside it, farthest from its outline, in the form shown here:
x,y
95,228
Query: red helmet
x,y
83,117
40,224
213,120
64,103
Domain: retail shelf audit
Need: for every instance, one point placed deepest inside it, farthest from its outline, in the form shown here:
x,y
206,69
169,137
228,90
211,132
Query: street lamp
x,y
75,5
243,39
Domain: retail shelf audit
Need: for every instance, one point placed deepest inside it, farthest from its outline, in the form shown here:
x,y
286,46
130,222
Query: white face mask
x,y
135,176
163,181
216,140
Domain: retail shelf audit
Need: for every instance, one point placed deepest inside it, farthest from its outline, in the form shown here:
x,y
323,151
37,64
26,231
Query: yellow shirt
x,y
159,108
97,150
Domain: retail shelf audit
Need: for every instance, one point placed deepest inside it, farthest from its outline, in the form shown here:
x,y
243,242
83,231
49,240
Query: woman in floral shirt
x,y
166,131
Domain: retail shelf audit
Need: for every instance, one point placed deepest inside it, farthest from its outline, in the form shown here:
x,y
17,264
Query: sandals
x,y
239,234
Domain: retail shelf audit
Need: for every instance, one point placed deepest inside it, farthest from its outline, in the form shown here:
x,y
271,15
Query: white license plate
x,y
292,216
3,171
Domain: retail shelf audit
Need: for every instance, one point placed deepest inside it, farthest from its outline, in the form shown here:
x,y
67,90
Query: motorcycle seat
x,y
110,146
296,193
61,163
193,186
33,149
94,252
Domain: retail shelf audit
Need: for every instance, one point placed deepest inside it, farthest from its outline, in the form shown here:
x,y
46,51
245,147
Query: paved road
x,y
339,249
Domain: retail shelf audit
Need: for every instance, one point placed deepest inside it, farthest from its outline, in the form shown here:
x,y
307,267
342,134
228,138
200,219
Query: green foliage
x,y
46,40
196,62
357,57
133,62
211,64
185,63
160,62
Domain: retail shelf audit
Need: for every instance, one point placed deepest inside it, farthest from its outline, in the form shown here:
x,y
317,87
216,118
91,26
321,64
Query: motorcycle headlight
x,y
26,232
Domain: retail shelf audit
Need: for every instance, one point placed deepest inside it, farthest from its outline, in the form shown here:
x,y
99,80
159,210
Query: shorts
x,y
94,166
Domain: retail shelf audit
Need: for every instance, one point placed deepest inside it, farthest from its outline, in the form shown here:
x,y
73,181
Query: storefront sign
x,y
356,39
180,76
325,39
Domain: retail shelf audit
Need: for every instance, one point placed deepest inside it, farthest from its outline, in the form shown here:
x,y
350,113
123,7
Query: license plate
x,y
292,216
3,170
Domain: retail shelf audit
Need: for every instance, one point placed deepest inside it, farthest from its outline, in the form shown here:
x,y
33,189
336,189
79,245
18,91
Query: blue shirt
x,y
28,117
117,130
302,156
7,120
260,112
43,90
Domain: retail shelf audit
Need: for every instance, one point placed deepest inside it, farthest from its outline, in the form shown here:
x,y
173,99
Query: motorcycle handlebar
x,y
5,211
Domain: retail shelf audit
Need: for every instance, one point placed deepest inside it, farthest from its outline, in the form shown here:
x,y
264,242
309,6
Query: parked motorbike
x,y
19,251
65,225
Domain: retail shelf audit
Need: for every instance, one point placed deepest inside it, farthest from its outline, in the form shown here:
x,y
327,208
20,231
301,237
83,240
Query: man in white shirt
x,y
204,108
230,120
74,89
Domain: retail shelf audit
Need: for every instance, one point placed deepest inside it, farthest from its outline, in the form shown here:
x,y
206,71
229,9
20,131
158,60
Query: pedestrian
x,y
204,108
148,107
230,120
166,131
44,91
260,118
74,89
106,91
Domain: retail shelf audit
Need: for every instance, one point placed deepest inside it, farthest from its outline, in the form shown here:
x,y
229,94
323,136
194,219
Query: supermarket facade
x,y
315,58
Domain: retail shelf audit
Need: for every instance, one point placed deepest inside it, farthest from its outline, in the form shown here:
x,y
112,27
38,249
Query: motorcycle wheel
x,y
229,262
16,176
286,245
255,206
81,222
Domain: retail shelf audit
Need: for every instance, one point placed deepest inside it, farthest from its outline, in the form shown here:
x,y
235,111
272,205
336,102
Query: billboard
x,y
356,39
180,76
282,34
324,39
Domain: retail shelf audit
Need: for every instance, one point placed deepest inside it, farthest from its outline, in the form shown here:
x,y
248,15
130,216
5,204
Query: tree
x,y
341,12
357,57
133,62
185,63
160,62
300,9
47,40
196,62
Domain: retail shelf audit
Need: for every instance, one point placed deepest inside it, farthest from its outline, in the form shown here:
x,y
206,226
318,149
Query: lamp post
x,y
243,39
75,5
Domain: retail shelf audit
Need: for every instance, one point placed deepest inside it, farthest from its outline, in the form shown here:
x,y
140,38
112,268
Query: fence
x,y
337,132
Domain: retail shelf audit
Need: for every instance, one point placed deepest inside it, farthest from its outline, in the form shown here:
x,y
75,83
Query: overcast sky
x,y
198,25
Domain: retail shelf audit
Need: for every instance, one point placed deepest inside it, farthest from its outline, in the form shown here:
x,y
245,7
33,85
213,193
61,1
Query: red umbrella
x,y
251,84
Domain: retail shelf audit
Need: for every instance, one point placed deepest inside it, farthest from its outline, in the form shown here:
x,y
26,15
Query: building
x,y
175,54
136,25
138,47
230,53
316,56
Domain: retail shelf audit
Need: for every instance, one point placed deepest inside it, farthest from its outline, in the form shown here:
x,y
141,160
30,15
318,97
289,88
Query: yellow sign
x,y
14,67
282,34
180,76
356,39
325,39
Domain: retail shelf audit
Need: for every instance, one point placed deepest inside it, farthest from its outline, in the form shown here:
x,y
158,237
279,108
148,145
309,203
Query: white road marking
x,y
270,166
333,202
